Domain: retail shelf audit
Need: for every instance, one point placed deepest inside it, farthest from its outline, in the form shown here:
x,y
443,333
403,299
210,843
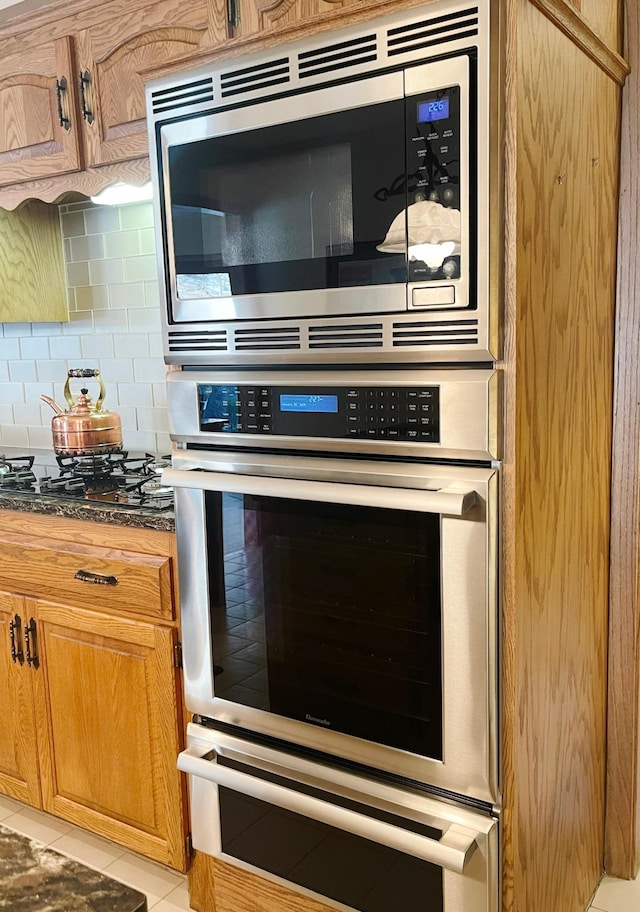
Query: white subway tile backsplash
x,y
140,269
101,219
53,371
122,244
149,370
65,347
14,435
152,419
46,329
89,247
35,348
114,324
92,297
129,296
131,345
22,371
26,415
116,371
17,330
80,323
106,272
96,347
144,320
9,349
139,215
12,393
135,394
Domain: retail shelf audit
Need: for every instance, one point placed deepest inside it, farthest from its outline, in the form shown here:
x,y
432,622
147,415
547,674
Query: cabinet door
x,y
254,16
38,133
107,710
19,775
113,57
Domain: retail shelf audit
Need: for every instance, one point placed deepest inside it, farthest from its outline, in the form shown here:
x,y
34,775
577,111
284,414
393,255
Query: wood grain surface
x,y
562,196
32,280
622,846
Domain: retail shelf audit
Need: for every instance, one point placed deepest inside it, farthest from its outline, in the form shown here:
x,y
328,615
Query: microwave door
x,y
281,209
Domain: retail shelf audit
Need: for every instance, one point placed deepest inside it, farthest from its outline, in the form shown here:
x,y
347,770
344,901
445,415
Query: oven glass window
x,y
329,614
347,868
290,207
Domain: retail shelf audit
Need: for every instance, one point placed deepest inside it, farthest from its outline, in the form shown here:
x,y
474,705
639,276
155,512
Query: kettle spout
x,y
54,405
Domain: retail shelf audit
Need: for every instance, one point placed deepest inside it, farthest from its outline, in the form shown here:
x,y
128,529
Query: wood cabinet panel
x,y
32,279
114,54
107,719
261,15
37,566
19,773
33,141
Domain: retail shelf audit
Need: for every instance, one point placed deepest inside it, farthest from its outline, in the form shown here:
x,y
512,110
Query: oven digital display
x,y
305,402
434,109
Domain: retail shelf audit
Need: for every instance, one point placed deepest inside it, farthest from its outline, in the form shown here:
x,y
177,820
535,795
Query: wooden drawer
x,y
104,579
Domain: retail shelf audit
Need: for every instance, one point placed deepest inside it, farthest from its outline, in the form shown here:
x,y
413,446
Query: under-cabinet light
x,y
120,194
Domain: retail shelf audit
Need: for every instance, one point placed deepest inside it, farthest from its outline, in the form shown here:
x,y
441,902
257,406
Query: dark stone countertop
x,y
37,879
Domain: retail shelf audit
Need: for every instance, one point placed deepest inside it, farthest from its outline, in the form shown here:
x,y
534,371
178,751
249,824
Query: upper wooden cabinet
x,y
250,17
38,132
112,55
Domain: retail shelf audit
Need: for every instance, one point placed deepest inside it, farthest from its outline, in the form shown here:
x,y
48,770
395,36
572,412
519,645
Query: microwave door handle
x,y
452,851
452,500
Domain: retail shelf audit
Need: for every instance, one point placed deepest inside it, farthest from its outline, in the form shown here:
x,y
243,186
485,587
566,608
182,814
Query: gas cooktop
x,y
121,478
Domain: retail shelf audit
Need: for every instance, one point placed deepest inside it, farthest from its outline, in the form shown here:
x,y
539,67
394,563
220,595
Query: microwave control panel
x,y
379,412
433,122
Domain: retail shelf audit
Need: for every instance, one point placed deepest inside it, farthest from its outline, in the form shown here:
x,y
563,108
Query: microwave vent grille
x,y
255,78
358,335
338,56
442,332
431,32
198,340
274,338
183,95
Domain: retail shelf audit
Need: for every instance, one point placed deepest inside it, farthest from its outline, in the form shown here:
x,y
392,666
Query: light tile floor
x,y
166,890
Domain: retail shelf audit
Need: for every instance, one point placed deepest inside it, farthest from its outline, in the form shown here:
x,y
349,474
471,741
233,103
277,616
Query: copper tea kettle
x,y
84,429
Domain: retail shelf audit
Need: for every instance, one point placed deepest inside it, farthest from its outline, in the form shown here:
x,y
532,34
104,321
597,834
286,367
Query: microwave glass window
x,y
290,207
329,614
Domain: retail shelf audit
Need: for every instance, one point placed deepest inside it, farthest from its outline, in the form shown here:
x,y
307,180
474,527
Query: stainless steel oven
x,y
352,841
343,601
337,539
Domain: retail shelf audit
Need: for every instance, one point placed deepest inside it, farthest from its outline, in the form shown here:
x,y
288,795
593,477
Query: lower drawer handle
x,y
86,576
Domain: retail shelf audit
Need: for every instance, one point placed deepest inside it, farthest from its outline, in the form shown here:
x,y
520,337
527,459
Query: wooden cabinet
x,y
87,659
111,57
38,134
252,17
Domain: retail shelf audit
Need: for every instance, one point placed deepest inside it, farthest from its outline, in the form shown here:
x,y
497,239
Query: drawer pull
x,y
102,579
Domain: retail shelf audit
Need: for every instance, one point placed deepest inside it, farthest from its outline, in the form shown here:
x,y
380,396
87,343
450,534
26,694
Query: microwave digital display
x,y
434,109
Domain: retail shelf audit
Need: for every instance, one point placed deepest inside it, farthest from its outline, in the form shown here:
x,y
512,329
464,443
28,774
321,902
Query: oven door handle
x,y
452,851
452,500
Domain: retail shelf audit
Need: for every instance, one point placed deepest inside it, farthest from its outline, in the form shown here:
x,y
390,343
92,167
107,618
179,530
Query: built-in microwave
x,y
330,197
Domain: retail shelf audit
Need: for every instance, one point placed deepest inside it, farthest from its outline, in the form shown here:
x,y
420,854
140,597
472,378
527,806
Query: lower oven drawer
x,y
348,840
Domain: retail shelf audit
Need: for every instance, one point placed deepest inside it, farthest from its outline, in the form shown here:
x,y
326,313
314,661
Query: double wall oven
x,y
324,247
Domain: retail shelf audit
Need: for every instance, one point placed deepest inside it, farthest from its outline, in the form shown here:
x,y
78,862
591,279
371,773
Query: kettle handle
x,y
84,372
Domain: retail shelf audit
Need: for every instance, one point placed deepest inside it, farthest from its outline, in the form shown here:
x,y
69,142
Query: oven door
x,y
344,839
344,605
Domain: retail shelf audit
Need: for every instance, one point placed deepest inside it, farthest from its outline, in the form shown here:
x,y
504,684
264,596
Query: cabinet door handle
x,y
85,79
61,86
86,576
233,14
15,636
31,644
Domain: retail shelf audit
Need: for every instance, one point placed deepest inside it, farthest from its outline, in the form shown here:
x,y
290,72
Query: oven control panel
x,y
365,412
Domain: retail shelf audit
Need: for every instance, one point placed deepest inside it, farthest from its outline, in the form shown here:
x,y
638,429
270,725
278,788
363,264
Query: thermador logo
x,y
319,721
